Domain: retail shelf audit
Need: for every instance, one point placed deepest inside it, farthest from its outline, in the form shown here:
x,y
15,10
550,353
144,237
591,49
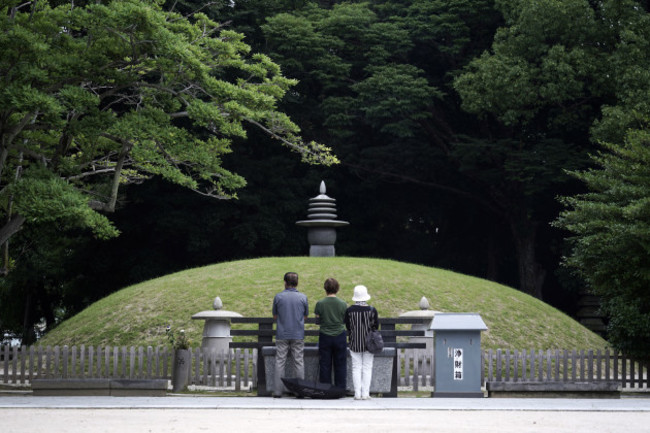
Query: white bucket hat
x,y
360,294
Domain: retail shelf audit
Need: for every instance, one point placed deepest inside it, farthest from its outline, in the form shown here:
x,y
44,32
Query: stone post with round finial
x,y
426,316
216,330
321,224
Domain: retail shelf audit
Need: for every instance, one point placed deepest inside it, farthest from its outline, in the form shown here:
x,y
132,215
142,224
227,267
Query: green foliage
x,y
629,74
456,28
610,227
550,73
103,95
535,166
39,287
609,223
178,342
353,64
43,198
556,57
95,96
544,58
394,97
381,82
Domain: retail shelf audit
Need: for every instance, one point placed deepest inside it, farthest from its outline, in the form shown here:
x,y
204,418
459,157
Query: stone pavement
x,y
193,401
192,413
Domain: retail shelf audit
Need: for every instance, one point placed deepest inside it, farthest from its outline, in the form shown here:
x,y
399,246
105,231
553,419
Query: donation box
x,y
457,354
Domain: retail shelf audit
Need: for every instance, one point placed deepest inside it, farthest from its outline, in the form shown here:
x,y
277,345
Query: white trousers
x,y
361,373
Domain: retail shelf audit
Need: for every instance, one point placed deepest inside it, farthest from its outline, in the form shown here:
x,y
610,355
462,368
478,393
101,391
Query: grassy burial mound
x,y
139,315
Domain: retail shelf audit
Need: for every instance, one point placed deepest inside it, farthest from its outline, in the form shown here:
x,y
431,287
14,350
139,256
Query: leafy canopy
x,y
111,93
610,241
609,224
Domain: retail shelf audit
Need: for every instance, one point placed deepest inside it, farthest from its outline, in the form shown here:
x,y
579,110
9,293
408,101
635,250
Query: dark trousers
x,y
333,351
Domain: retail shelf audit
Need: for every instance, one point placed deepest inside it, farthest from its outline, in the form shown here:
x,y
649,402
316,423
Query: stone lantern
x,y
321,224
426,317
216,330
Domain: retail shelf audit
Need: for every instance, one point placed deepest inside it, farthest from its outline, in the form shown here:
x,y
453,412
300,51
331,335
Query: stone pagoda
x,y
321,224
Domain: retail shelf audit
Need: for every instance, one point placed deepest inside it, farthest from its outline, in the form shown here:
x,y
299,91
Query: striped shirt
x,y
359,320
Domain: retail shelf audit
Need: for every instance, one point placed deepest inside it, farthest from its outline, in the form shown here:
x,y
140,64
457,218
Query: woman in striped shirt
x,y
360,319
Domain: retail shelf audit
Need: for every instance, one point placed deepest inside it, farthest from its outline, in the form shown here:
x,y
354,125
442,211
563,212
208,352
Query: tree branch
x,y
15,9
210,194
126,148
11,227
13,132
288,143
91,173
33,155
179,114
173,92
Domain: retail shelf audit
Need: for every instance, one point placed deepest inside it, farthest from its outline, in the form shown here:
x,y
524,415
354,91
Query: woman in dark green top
x,y
332,347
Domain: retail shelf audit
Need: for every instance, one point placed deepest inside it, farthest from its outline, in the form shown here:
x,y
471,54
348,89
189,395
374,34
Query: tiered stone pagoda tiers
x,y
321,224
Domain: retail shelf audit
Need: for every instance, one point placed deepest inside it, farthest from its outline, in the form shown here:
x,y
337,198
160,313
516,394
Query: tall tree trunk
x,y
29,336
531,272
13,222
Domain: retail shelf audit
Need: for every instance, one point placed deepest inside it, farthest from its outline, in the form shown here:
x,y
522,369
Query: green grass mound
x,y
138,315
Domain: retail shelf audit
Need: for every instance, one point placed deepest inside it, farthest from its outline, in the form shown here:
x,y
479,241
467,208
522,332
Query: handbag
x,y
374,342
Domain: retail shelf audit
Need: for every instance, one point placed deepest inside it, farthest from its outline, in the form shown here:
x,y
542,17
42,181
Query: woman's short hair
x,y
331,286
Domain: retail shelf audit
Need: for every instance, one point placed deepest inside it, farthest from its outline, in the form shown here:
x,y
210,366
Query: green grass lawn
x,y
139,314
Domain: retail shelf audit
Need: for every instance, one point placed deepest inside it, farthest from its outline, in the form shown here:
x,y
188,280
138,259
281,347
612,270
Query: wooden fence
x,y
20,365
237,369
564,366
414,369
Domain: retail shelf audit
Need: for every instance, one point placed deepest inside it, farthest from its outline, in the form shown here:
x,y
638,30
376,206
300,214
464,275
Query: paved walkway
x,y
289,403
190,413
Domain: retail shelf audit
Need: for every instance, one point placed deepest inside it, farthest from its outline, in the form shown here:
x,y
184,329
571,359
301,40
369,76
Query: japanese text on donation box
x,y
458,364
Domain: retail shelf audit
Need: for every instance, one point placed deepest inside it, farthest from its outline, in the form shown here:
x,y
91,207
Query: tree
x,y
104,95
40,284
608,224
381,75
94,97
542,87
610,238
384,83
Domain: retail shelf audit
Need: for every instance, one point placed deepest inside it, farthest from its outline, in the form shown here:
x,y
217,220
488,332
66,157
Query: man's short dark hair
x,y
331,286
291,279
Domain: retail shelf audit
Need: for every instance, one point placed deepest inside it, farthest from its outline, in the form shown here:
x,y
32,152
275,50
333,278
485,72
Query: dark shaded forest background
x,y
424,177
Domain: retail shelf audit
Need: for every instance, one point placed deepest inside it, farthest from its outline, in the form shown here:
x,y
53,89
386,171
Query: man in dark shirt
x,y
290,309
